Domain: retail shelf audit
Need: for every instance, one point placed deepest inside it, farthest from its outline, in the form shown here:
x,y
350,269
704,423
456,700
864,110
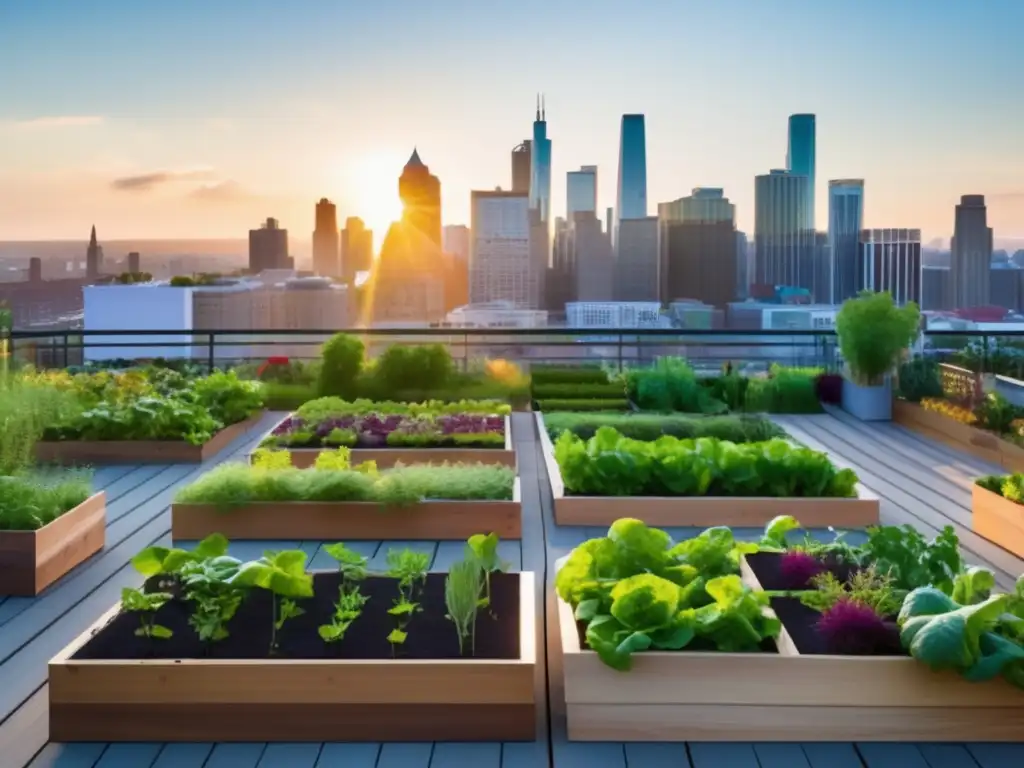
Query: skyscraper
x,y
421,199
637,266
456,241
326,261
801,154
845,222
133,262
93,256
698,248
631,201
268,247
580,191
971,253
540,165
500,268
356,248
784,237
521,167
890,260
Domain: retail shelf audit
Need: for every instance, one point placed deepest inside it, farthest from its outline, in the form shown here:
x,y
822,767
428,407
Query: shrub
x,y
787,390
919,378
287,397
341,366
228,398
670,385
603,404
429,367
873,333
543,375
997,414
737,428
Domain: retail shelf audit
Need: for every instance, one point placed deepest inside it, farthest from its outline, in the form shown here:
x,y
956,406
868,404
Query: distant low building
x,y
495,314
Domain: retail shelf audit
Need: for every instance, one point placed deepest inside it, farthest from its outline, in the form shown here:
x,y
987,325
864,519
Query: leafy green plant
x,y
28,405
611,465
484,549
919,379
736,428
350,602
543,375
146,604
338,460
228,398
342,363
670,385
786,390
410,568
912,561
873,333
867,587
462,589
326,408
997,414
283,575
29,502
583,405
429,365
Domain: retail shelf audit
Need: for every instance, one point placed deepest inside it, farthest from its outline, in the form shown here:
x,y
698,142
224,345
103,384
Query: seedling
x,y
462,596
347,609
351,564
146,605
410,568
216,600
484,549
283,574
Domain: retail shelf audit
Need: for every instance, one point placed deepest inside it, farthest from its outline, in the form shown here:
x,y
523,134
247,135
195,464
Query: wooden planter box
x,y
81,452
287,700
999,520
749,512
30,561
702,696
306,520
386,458
962,437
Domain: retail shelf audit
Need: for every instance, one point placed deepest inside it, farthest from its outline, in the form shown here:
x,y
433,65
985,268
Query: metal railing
x,y
746,350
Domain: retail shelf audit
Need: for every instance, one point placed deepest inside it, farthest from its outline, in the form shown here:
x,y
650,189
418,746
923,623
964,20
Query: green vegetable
x,y
911,560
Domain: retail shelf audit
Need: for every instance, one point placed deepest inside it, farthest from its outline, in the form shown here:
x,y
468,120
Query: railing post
x,y
212,346
620,351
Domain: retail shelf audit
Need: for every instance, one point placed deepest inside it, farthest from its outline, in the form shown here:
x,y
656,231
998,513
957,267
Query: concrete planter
x,y
868,403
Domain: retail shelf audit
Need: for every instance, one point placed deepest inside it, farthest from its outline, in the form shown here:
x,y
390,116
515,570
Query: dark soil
x,y
800,621
767,567
431,635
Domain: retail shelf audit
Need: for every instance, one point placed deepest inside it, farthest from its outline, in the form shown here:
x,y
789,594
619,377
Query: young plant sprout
x,y
350,602
146,605
484,549
410,568
462,597
283,574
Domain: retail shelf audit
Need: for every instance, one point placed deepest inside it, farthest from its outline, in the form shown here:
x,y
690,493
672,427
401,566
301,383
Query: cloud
x,y
56,121
227,191
147,182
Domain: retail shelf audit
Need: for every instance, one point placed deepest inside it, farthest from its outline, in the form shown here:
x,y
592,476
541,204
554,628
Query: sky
x,y
200,118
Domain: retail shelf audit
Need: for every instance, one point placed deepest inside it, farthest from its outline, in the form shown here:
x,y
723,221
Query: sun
x,y
373,184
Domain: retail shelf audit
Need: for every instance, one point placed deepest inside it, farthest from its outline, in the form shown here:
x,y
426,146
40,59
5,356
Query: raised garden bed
x,y
89,452
32,560
740,511
783,689
998,519
386,457
428,520
112,685
962,437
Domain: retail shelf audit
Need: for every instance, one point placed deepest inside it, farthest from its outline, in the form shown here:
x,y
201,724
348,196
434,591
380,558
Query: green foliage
x,y
326,408
27,407
670,385
873,333
130,278
228,398
236,485
428,365
287,397
462,598
786,390
342,363
997,414
737,428
1010,487
609,391
635,590
484,550
730,388
919,379
611,465
543,375
29,502
867,587
410,568
583,404
283,574
146,604
911,560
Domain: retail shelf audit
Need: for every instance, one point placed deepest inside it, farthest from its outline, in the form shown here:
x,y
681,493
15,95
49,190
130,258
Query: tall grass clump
x,y
28,405
28,503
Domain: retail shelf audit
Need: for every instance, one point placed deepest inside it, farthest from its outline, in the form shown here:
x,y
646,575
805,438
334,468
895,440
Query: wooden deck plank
x,y
831,755
891,755
183,755
947,756
657,755
781,755
24,733
239,755
588,754
335,755
129,756
523,754
462,755
12,606
722,755
136,476
408,755
68,756
289,756
108,475
997,755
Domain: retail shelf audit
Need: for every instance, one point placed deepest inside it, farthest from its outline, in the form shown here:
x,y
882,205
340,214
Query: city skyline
x,y
140,140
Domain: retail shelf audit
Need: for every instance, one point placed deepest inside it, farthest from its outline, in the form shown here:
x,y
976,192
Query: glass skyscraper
x,y
784,236
581,191
801,152
631,202
540,166
845,221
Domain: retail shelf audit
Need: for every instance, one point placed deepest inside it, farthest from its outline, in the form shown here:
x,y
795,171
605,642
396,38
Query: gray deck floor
x,y
920,482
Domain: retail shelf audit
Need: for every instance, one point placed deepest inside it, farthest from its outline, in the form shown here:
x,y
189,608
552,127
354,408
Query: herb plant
x,y
283,575
484,549
462,597
146,604
410,568
349,605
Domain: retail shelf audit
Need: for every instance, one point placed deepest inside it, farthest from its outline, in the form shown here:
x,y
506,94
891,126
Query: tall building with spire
x,y
540,165
325,240
93,257
421,199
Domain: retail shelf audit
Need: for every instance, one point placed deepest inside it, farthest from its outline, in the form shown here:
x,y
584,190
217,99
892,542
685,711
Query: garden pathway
x,y
919,482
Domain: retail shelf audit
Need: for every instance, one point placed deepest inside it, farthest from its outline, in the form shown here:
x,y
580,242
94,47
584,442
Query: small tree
x,y
873,333
342,364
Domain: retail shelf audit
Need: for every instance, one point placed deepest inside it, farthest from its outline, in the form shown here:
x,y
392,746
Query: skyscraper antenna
x,y
538,106
543,108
